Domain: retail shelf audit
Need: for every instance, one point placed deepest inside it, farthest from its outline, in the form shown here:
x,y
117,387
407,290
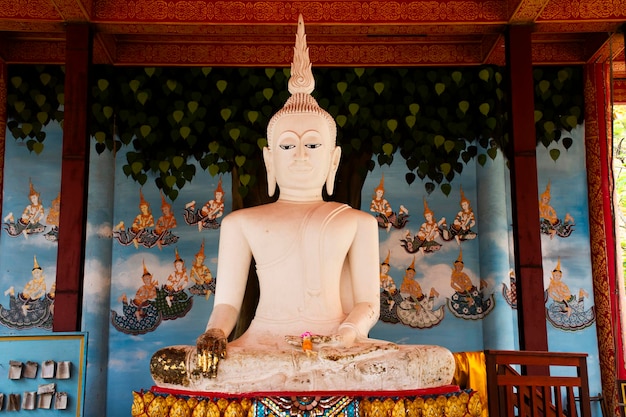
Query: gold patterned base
x,y
465,403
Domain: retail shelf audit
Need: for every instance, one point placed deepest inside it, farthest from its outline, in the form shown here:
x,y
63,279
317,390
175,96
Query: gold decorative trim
x,y
595,110
456,404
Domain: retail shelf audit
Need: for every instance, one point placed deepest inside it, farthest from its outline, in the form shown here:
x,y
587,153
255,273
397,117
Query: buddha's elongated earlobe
x,y
332,170
269,168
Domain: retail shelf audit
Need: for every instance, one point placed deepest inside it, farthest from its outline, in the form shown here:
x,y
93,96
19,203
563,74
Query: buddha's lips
x,y
300,168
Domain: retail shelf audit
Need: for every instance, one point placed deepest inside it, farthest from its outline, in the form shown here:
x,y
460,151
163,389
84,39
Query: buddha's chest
x,y
307,234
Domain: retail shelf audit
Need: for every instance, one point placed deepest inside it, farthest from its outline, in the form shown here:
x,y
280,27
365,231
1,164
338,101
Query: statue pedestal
x,y
446,401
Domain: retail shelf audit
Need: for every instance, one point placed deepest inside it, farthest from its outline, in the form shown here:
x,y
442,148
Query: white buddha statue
x,y
317,265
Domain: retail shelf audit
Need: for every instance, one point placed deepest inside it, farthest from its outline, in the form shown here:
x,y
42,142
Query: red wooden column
x,y
74,174
525,194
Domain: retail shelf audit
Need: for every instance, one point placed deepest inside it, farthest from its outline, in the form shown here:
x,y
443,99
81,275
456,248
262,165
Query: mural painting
x,y
144,231
509,292
152,276
173,298
385,215
551,224
31,221
32,307
207,216
468,300
565,310
417,309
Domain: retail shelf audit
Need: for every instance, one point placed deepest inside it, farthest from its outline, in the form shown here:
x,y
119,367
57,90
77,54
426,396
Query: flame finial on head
x,y
145,269
546,193
35,264
142,200
32,190
219,188
463,198
427,209
412,266
164,202
201,251
301,80
459,259
178,258
301,84
381,184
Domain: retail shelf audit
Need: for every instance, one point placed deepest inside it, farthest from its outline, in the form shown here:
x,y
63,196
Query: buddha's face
x,y
301,152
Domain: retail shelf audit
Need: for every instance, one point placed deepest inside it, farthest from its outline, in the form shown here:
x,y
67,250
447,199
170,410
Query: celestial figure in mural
x,y
206,217
175,296
145,218
461,227
140,315
425,238
146,293
549,222
30,221
167,221
467,301
164,225
53,219
565,311
385,216
510,292
389,294
141,232
417,310
178,279
200,274
300,244
31,308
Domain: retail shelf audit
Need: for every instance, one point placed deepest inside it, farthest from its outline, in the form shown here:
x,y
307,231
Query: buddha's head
x,y
301,154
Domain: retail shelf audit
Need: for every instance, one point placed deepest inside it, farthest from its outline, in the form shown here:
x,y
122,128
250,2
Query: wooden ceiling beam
x,y
611,50
74,10
526,11
31,51
346,32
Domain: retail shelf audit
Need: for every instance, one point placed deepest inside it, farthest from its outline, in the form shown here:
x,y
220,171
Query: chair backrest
x,y
526,384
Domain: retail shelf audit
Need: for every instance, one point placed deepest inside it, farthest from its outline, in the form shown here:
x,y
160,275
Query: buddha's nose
x,y
302,154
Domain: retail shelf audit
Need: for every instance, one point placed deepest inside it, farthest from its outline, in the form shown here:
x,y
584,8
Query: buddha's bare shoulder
x,y
273,212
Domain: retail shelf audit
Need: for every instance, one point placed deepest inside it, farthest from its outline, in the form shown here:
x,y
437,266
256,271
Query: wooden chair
x,y
536,393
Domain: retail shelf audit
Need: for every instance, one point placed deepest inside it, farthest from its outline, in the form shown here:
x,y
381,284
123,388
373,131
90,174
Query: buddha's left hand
x,y
347,335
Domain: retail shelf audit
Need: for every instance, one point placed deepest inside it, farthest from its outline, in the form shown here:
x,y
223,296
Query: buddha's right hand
x,y
211,347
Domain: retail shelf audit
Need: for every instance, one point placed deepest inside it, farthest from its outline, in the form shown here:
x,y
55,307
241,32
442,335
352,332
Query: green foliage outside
x,y
163,119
